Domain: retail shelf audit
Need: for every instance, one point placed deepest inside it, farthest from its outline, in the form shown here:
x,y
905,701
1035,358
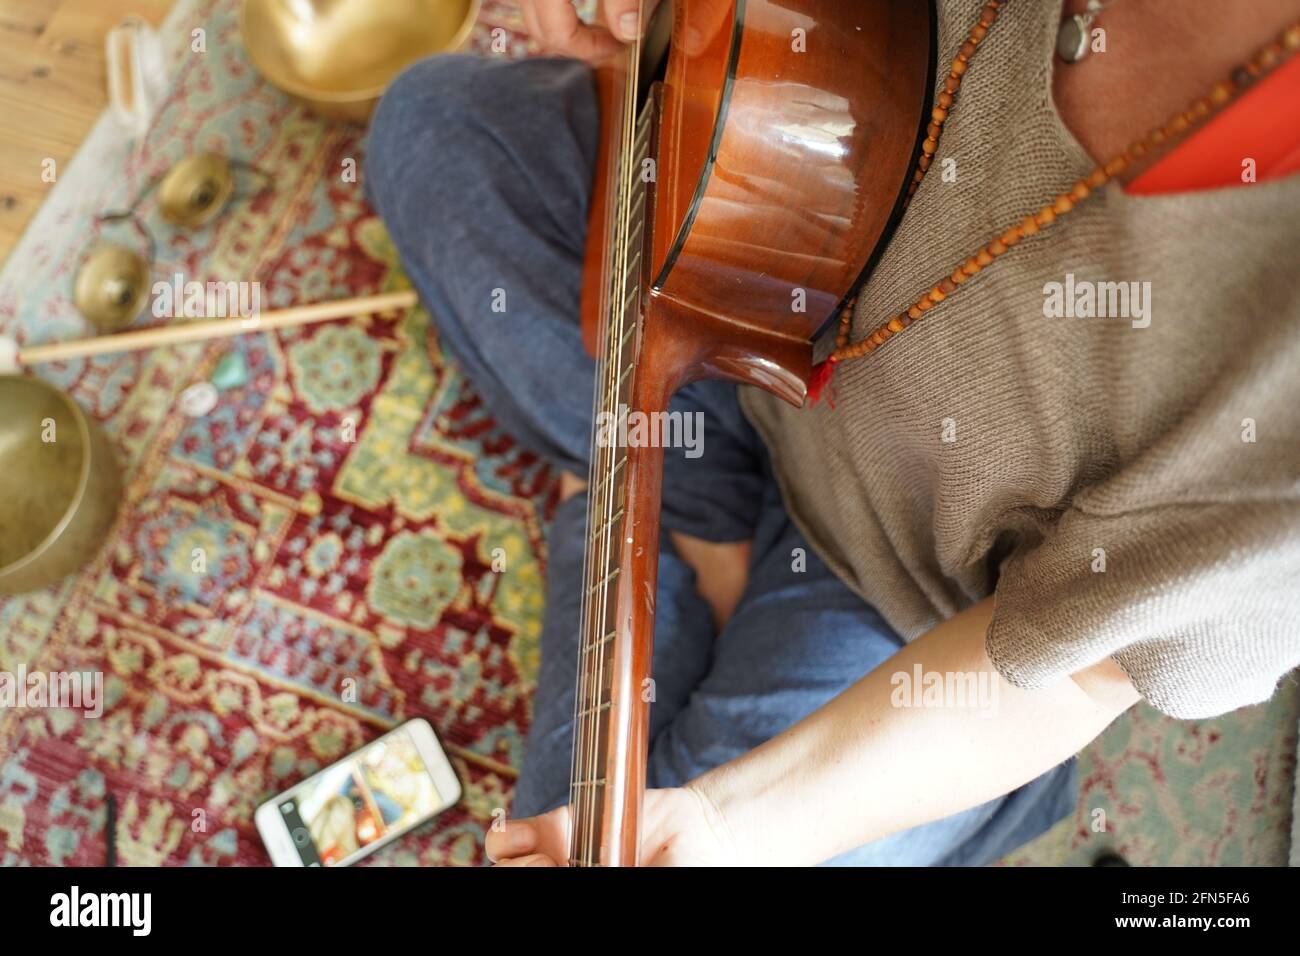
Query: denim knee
x,y
447,119
426,103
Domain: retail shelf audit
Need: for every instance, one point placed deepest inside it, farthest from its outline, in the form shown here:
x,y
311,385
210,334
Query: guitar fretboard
x,y
606,504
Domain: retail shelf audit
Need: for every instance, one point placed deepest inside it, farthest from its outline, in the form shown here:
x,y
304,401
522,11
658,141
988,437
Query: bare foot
x,y
570,485
721,570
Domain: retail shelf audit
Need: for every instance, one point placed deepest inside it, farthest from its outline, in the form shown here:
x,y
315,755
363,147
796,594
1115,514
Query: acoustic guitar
x,y
754,155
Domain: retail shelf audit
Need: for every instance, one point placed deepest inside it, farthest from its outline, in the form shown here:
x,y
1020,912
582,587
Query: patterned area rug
x,y
370,559
1162,792
327,559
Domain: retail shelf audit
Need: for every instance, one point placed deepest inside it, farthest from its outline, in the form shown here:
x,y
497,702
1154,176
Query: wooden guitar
x,y
753,156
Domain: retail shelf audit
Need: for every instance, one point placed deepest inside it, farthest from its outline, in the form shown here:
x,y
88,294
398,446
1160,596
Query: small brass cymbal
x,y
195,189
111,286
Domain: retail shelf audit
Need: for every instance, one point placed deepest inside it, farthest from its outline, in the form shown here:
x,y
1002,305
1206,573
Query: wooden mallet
x,y
13,359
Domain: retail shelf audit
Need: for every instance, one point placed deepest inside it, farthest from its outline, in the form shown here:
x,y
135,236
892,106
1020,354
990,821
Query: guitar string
x,y
584,725
589,569
585,603
633,196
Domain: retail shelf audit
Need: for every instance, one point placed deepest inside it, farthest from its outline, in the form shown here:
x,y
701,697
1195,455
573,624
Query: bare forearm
x,y
861,767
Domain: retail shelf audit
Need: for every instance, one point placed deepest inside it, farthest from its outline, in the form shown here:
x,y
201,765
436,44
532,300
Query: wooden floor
x,y
52,89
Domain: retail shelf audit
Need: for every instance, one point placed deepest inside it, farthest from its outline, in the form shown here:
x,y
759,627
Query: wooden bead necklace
x,y
1223,92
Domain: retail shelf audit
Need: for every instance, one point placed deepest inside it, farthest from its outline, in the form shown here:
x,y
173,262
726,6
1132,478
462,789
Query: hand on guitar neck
x,y
680,827
555,24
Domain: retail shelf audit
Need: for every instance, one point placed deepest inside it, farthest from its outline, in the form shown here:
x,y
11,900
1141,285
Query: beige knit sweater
x,y
1127,486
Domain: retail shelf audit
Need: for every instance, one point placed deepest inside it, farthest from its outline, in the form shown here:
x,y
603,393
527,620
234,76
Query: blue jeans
x,y
481,170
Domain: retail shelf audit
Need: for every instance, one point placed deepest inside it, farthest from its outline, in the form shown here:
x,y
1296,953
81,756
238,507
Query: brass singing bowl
x,y
59,485
338,56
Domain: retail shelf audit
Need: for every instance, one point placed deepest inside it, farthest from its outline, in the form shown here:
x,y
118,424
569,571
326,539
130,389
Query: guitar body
x,y
778,141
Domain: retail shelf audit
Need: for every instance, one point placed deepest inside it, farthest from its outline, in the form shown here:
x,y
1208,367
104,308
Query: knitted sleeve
x,y
1199,603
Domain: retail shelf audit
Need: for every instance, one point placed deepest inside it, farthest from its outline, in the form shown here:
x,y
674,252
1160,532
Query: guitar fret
x,y
634,237
603,581
597,643
631,310
609,479
596,710
631,328
610,523
630,270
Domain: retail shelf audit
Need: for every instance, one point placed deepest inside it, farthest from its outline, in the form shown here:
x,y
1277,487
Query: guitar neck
x,y
611,710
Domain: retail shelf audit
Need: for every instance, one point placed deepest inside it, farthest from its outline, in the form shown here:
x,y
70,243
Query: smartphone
x,y
366,800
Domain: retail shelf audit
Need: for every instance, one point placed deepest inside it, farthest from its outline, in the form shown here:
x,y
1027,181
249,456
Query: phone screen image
x,y
382,788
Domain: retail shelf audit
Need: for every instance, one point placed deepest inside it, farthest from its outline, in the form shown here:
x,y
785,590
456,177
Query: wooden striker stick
x,y
217,328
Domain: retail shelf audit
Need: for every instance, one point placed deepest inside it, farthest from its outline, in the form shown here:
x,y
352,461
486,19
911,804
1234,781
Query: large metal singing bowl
x,y
338,56
59,485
